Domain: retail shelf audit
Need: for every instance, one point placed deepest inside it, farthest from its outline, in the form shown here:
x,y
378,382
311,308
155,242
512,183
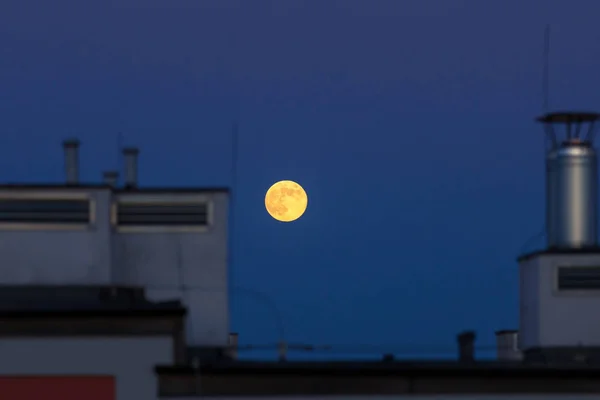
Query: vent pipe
x,y
232,346
110,178
71,148
131,166
571,180
466,346
507,345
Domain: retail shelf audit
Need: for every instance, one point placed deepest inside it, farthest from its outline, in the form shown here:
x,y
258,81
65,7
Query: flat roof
x,y
567,117
236,378
555,251
75,311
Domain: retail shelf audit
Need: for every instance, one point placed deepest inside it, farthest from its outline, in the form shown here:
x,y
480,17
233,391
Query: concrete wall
x,y
171,263
563,318
130,361
188,265
56,255
529,304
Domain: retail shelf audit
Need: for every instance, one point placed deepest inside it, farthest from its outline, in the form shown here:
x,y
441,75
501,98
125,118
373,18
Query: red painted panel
x,y
57,387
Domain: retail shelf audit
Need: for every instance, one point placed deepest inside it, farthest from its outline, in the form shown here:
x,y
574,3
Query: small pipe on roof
x,y
232,346
110,178
466,346
283,348
130,154
71,149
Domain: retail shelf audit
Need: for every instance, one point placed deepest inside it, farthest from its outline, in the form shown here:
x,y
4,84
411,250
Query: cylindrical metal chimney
x,y
571,182
507,345
551,206
71,148
576,196
110,178
131,166
466,346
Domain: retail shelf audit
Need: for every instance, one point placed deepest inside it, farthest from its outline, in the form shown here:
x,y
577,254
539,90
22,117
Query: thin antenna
x,y
233,190
119,156
232,203
546,76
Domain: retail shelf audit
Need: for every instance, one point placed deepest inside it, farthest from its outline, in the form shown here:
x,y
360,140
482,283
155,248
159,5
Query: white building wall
x,y
558,318
171,264
529,304
130,360
55,255
187,265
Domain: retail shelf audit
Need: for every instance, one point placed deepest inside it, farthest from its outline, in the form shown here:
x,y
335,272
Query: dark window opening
x,y
44,211
579,278
162,214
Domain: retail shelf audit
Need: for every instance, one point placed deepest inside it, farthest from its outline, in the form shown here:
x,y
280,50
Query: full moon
x,y
286,201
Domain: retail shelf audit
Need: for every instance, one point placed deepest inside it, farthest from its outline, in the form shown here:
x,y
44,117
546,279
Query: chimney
x,y
233,346
71,147
282,350
507,345
131,155
110,178
571,180
466,346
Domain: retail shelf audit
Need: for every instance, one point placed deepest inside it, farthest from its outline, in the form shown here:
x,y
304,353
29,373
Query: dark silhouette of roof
x,y
35,300
568,117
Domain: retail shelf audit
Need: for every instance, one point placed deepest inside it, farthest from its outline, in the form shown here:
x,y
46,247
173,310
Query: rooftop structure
x,y
170,241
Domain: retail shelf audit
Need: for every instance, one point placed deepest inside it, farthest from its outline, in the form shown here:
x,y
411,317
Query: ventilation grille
x,y
42,211
579,278
162,214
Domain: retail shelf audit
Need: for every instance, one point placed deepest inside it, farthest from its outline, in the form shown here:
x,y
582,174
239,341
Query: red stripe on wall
x,y
57,387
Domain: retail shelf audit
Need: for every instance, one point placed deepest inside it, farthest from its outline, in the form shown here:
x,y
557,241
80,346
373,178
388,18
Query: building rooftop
x,y
373,378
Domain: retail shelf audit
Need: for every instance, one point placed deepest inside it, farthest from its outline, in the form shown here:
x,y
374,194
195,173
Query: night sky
x,y
409,124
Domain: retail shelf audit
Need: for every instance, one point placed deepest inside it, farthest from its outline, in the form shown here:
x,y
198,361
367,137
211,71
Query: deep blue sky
x,y
409,123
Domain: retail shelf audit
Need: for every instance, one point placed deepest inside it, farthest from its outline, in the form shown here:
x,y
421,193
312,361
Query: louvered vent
x,y
145,214
43,211
579,278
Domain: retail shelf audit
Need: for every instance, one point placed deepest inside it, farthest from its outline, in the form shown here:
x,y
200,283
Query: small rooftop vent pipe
x,y
110,178
130,154
71,148
232,346
507,345
466,346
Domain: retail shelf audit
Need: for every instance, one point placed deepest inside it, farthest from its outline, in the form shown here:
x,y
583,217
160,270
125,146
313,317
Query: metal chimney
x,y
466,346
507,345
131,168
571,180
110,178
71,148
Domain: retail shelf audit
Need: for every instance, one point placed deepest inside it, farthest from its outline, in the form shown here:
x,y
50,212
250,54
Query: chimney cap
x,y
467,336
71,142
506,332
568,117
131,150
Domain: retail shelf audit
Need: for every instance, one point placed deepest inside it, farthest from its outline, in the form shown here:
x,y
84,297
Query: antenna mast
x,y
545,81
119,156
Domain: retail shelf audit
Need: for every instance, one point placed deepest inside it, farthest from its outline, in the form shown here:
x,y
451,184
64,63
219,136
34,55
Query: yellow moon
x,y
286,201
